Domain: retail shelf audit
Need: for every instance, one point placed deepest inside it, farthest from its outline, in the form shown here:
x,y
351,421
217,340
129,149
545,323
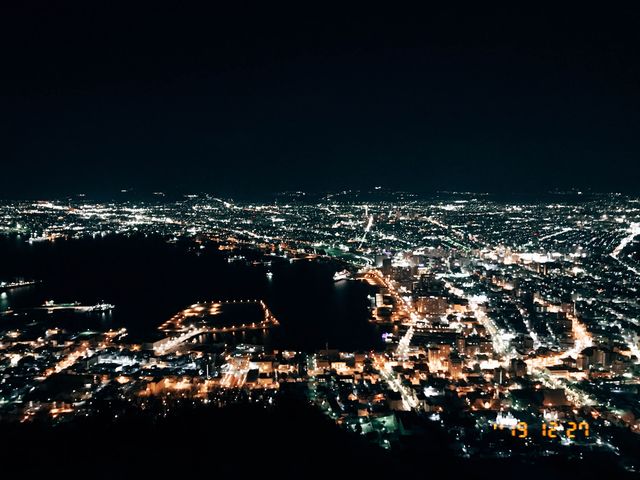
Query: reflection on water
x,y
4,301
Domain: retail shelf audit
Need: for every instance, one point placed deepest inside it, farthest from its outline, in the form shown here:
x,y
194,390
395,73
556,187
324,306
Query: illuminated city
x,y
269,240
511,327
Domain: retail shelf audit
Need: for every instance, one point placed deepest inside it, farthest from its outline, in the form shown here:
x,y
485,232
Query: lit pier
x,y
180,332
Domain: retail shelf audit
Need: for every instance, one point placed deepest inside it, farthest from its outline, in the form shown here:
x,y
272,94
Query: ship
x,y
341,275
99,307
52,304
17,283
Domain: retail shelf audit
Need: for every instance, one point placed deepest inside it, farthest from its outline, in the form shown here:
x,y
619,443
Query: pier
x,y
179,332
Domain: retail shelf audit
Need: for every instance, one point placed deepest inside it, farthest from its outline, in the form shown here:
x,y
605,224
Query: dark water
x,y
149,280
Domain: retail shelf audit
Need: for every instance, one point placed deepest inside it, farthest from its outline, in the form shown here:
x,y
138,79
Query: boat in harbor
x,y
98,307
17,284
101,307
52,304
341,275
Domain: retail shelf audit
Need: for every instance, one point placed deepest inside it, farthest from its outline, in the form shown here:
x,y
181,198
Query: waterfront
x,y
150,280
500,336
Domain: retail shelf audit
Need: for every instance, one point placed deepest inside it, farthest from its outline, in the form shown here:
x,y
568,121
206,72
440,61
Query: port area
x,y
223,316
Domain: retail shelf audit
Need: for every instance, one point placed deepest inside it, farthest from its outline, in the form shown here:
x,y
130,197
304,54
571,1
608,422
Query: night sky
x,y
245,101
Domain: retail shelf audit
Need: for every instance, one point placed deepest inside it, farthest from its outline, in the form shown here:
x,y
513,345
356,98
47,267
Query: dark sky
x,y
248,100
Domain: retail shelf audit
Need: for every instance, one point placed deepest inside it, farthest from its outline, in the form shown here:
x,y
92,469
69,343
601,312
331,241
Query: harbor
x,y
310,306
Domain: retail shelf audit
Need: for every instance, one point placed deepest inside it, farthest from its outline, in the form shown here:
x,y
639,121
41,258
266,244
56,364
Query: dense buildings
x,y
511,326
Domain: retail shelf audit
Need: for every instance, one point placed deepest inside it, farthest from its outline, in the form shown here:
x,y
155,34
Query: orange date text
x,y
547,429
